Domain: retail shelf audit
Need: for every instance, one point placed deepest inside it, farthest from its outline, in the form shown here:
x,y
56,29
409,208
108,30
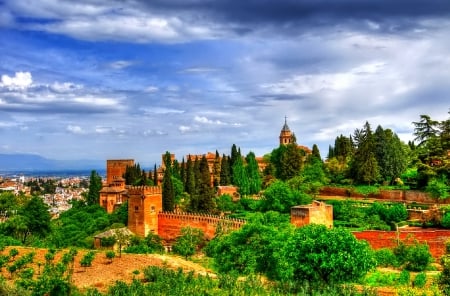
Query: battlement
x,y
200,217
171,223
144,189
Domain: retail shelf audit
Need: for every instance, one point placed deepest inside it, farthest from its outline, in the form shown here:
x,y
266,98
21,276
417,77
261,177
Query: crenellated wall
x,y
435,239
171,223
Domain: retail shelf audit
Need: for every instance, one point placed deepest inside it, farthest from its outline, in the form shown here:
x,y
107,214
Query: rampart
x,y
171,223
435,239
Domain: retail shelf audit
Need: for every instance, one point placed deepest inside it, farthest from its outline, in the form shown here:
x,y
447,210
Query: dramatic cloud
x,y
137,78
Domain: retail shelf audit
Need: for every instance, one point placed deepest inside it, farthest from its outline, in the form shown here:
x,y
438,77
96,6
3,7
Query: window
x,y
136,209
152,209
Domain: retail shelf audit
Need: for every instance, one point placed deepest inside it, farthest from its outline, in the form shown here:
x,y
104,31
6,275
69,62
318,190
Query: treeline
x,y
379,157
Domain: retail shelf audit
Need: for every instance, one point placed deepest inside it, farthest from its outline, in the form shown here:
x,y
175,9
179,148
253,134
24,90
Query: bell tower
x,y
285,134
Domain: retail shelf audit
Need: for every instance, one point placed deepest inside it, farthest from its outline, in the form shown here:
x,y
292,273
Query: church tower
x,y
286,136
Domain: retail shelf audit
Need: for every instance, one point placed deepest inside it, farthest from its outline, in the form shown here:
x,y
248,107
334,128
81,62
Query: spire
x,y
285,126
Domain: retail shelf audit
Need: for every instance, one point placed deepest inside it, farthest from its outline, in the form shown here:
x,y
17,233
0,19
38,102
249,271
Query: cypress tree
x,y
254,177
168,192
205,191
155,176
225,174
189,186
95,185
216,170
240,178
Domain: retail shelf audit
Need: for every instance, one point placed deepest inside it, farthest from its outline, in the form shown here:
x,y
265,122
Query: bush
x,y
386,257
108,241
87,259
445,222
420,280
414,257
110,255
404,278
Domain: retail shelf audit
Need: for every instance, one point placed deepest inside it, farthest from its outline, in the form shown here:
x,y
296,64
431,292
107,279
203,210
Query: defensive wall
x,y
409,196
378,239
171,223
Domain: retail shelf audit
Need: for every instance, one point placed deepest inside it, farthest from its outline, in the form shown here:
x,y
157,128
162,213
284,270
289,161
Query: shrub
x,y
386,257
414,257
420,280
13,253
87,259
110,255
108,241
445,222
404,278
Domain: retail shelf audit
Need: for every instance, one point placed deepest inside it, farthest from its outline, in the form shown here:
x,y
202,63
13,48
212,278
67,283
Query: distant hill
x,y
32,162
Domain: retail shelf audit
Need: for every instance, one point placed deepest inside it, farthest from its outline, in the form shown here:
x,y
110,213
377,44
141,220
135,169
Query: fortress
x,y
145,203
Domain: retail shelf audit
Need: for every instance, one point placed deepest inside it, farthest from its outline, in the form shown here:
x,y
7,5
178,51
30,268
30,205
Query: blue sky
x,y
111,79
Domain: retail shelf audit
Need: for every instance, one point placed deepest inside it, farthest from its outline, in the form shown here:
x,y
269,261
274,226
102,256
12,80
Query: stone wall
x,y
435,239
409,196
171,223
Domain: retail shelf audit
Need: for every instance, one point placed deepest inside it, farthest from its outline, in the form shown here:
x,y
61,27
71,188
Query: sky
x,y
113,79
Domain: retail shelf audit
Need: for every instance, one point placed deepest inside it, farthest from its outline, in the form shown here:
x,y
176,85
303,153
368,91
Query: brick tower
x,y
144,204
285,134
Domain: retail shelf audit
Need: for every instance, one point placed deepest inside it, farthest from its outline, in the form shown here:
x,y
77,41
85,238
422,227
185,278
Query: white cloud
x,y
313,83
118,65
21,80
185,129
152,89
75,129
203,119
65,87
161,110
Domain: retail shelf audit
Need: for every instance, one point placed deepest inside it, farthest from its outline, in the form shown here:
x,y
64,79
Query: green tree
x,y
316,153
191,238
240,177
390,154
204,189
251,249
438,189
225,171
216,170
253,174
364,166
95,185
168,192
279,197
320,256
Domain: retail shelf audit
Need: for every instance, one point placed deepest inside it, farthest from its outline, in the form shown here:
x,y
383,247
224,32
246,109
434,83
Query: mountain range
x,y
33,162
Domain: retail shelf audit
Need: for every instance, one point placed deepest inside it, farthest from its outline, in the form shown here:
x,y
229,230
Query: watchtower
x,y
144,204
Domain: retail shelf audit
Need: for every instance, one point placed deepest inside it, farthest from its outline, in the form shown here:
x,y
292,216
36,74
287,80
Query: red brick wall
x,y
170,224
393,195
388,239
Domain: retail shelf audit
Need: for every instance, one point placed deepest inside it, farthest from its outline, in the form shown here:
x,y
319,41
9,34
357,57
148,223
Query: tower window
x,y
136,209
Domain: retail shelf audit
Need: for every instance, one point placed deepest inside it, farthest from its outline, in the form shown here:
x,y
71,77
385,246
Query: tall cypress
x,y
253,174
168,192
95,185
155,176
216,170
225,174
205,191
